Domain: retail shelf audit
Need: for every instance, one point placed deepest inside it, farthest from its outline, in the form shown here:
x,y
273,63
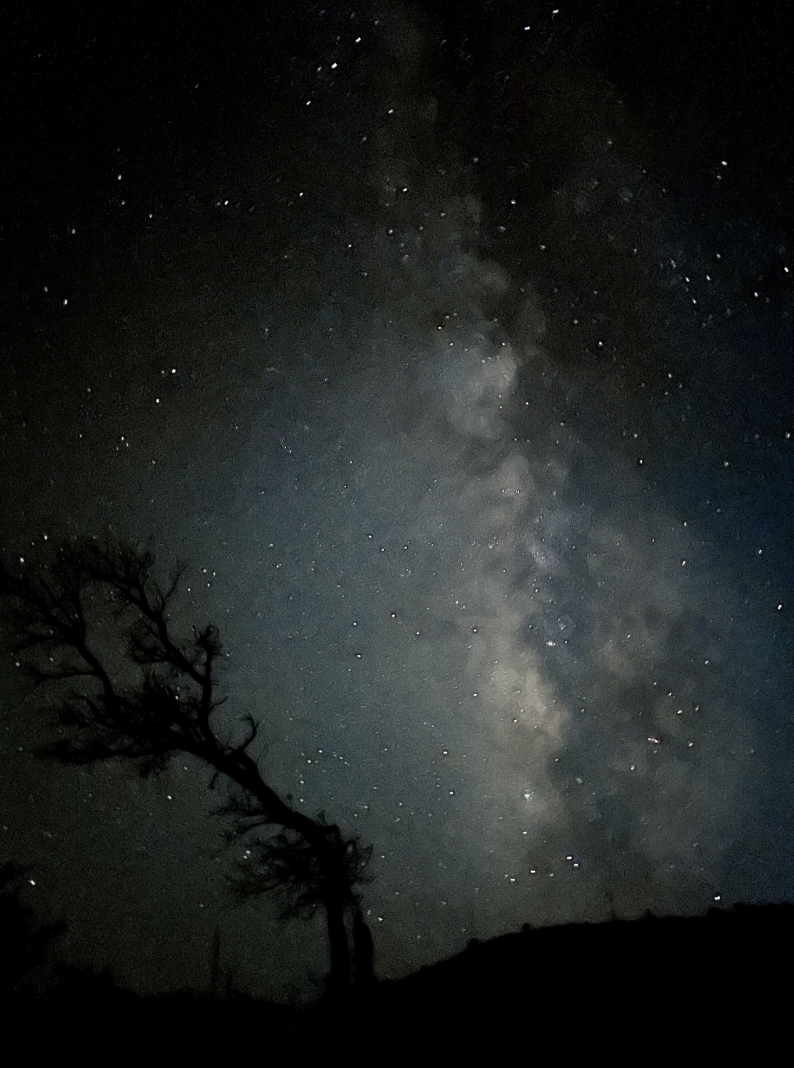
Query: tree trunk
x,y
339,979
363,953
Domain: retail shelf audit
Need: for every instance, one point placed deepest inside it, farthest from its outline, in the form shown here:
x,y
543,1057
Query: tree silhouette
x,y
23,946
158,698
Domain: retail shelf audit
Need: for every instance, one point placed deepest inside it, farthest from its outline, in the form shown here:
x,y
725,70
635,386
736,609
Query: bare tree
x,y
157,699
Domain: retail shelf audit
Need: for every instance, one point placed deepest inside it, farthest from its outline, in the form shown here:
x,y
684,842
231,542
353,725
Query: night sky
x,y
451,346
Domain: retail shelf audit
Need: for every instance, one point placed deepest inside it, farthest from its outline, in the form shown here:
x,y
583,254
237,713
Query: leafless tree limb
x,y
53,621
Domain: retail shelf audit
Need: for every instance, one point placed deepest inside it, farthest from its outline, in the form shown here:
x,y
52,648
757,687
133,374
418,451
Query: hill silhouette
x,y
707,979
635,985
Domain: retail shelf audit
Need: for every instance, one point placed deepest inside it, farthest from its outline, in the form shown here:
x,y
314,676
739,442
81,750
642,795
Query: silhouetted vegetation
x,y
161,699
23,945
638,985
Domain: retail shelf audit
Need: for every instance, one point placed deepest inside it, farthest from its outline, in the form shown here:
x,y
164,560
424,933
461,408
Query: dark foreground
x,y
634,988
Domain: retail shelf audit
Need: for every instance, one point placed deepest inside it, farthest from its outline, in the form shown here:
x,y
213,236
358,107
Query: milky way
x,y
472,530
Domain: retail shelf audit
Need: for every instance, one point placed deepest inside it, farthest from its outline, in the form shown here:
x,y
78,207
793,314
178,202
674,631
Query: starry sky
x,y
451,346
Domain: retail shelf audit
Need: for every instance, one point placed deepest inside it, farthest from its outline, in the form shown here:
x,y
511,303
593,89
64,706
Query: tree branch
x,y
53,617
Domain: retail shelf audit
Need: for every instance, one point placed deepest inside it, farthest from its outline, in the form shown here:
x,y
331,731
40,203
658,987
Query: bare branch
x,y
54,617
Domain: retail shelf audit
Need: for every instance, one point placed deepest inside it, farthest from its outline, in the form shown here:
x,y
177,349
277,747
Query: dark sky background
x,y
451,344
